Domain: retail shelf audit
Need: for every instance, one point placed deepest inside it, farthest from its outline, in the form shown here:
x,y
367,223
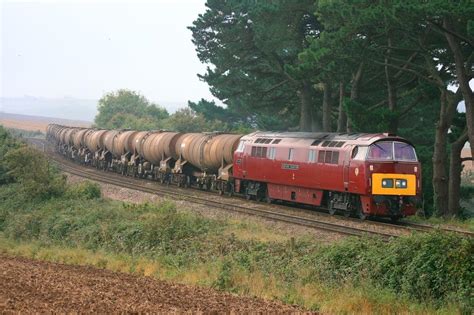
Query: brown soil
x,y
33,286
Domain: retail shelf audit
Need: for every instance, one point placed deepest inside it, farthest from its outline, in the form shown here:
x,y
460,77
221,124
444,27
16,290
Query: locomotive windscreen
x,y
391,150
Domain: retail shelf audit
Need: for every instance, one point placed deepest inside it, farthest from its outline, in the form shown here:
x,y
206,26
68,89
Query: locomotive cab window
x,y
359,152
404,152
291,153
312,156
391,150
382,150
241,146
271,153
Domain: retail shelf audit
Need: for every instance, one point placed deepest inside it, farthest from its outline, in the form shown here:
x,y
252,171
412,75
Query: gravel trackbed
x,y
34,286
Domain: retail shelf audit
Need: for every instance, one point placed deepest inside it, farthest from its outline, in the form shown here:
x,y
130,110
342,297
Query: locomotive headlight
x,y
387,183
401,183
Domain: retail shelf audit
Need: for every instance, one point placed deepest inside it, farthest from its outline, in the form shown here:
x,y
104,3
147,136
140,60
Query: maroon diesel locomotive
x,y
361,174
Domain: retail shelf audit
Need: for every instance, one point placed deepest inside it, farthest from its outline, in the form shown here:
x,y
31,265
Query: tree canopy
x,y
128,109
336,65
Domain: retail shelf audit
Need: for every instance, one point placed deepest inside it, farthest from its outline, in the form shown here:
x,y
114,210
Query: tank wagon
x,y
354,174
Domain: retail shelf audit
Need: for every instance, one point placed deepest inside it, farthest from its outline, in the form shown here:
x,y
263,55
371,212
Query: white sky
x,y
83,49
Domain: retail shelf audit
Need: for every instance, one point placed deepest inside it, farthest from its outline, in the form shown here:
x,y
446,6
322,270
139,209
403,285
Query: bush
x,y
32,170
101,224
7,143
84,190
435,267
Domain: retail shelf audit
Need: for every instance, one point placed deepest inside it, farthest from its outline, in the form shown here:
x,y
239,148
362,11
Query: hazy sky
x,y
83,49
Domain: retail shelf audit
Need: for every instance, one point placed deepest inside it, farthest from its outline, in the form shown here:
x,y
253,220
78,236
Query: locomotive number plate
x,y
286,166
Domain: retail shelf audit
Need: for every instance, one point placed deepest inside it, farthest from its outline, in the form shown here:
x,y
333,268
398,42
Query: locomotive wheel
x,y
361,215
395,218
267,198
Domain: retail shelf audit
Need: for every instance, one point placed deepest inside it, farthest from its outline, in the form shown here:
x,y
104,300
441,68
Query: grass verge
x,y
422,273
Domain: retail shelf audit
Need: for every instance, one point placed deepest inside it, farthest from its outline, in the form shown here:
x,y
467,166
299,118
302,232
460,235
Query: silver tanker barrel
x,y
160,146
95,140
207,152
78,138
122,144
109,140
159,149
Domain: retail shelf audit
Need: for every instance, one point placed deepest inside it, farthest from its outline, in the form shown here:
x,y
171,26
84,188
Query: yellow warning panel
x,y
394,184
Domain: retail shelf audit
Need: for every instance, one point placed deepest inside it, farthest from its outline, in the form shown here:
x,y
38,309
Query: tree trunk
x,y
326,107
391,93
463,79
455,168
355,84
440,177
306,107
342,119
440,156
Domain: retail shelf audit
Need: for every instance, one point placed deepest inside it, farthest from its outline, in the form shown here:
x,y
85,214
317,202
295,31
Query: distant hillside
x,y
35,123
66,108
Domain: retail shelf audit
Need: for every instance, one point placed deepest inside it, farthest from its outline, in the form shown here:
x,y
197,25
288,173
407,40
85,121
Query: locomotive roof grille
x,y
316,136
263,140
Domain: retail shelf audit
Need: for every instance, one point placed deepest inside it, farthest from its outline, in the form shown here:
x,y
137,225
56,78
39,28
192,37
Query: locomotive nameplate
x,y
286,166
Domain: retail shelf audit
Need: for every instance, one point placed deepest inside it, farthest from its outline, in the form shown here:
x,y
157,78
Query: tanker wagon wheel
x,y
230,190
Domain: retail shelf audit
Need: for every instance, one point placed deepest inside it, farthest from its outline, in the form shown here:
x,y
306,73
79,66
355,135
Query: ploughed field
x,y
35,123
34,286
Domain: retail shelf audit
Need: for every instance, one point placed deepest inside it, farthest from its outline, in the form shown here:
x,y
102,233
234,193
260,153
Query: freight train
x,y
359,174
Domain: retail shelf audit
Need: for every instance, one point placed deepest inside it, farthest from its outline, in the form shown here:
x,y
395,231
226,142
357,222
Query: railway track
x,y
274,212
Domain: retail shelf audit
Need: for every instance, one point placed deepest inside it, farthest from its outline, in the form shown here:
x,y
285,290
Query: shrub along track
x,y
292,215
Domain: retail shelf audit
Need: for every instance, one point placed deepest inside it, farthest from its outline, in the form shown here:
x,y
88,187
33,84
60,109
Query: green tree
x,y
128,109
250,45
186,120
